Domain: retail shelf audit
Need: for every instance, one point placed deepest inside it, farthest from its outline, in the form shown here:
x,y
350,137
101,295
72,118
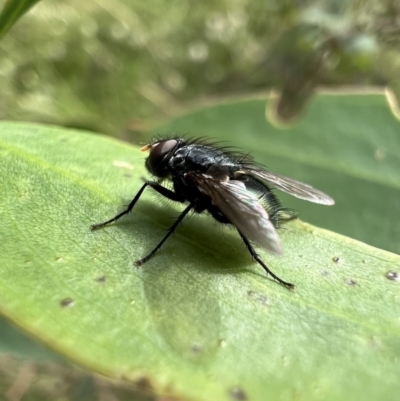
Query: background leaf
x,y
200,320
14,342
41,380
347,145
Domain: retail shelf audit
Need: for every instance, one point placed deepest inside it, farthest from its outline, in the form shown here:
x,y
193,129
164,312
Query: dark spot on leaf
x,y
27,262
58,258
101,279
196,348
63,140
237,393
262,299
350,282
324,273
144,385
67,303
392,275
126,175
374,343
336,259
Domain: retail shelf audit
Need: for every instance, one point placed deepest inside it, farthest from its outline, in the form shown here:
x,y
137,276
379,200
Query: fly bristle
x,y
282,216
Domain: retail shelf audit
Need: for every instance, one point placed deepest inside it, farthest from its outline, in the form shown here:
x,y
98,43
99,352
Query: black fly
x,y
230,186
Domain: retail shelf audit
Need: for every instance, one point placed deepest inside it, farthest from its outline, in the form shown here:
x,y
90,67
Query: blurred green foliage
x,y
11,12
117,66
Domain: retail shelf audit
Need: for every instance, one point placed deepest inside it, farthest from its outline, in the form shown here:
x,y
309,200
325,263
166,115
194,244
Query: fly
x,y
230,186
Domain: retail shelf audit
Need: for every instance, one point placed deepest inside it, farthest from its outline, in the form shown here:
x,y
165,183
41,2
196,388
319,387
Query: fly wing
x,y
292,187
242,209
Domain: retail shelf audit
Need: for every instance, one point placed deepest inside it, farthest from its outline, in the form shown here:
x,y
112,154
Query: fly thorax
x,y
219,172
177,162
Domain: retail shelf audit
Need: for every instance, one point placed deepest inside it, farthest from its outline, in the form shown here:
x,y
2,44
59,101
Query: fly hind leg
x,y
257,258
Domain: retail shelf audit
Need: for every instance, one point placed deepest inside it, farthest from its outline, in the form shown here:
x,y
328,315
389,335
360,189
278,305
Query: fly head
x,y
160,154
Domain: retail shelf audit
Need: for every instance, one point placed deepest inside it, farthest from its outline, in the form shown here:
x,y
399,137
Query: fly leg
x,y
257,258
169,232
159,188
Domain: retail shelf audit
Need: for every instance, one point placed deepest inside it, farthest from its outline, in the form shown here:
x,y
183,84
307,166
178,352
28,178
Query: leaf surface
x,y
200,320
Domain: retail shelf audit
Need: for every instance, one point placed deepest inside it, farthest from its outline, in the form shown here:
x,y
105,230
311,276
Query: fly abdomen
x,y
269,201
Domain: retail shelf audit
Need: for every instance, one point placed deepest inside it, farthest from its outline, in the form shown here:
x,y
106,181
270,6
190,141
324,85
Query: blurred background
x,y
119,67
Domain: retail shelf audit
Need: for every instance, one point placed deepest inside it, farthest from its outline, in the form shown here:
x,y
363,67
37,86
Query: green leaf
x,y
12,11
200,320
347,145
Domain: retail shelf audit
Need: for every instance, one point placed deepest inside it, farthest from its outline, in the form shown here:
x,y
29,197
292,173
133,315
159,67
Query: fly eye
x,y
159,151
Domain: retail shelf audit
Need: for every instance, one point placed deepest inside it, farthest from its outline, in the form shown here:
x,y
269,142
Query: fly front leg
x,y
169,232
167,193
